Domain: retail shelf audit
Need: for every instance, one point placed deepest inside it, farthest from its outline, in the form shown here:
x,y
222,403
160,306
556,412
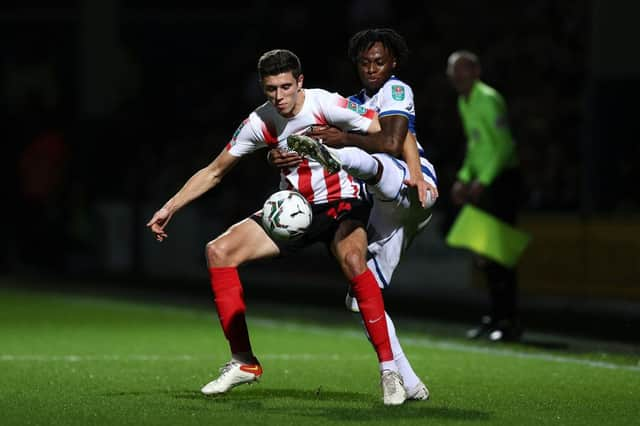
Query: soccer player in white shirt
x,y
338,220
404,191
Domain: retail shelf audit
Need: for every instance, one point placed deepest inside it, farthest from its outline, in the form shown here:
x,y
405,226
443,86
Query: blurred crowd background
x,y
108,107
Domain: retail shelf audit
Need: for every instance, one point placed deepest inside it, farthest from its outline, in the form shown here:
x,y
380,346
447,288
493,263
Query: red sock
x,y
369,297
229,300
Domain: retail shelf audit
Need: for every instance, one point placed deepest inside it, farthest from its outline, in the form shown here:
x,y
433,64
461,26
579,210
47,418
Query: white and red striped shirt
x,y
265,127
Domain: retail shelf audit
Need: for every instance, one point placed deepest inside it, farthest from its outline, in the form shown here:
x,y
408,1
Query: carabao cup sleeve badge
x,y
397,93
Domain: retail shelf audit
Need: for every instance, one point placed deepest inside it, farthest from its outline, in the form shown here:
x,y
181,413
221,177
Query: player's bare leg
x,y
349,248
241,243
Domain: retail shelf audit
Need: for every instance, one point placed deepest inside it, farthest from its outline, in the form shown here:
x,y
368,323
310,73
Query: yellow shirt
x,y
490,148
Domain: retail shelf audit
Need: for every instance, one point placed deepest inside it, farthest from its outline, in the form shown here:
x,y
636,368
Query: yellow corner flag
x,y
488,236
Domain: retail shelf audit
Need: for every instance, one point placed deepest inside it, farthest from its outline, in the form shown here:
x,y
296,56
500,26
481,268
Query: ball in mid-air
x,y
286,215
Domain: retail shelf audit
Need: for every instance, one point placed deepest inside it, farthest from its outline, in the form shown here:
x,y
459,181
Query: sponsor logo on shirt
x,y
356,108
397,92
237,132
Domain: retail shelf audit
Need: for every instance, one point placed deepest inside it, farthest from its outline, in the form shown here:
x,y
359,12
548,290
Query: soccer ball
x,y
286,215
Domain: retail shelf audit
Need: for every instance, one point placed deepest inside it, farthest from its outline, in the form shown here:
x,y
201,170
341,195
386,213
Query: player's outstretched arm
x,y
202,181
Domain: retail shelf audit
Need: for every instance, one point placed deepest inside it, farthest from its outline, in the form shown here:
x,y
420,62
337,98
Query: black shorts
x,y
503,197
326,219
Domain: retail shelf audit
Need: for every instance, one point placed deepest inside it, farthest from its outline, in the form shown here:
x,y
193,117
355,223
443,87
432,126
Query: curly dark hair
x,y
277,61
389,38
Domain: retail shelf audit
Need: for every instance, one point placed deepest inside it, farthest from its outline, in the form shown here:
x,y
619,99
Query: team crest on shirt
x,y
356,108
237,132
397,92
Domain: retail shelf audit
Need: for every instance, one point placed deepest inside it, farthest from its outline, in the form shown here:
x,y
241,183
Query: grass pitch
x,y
69,360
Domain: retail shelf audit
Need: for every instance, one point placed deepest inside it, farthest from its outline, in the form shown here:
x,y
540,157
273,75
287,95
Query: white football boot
x,y
393,392
418,393
309,147
231,375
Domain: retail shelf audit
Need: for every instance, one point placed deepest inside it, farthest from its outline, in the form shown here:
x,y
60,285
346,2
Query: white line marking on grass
x,y
311,329
515,354
171,358
316,357
84,358
451,346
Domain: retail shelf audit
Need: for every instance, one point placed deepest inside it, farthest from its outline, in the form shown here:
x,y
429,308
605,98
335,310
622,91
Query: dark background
x,y
117,103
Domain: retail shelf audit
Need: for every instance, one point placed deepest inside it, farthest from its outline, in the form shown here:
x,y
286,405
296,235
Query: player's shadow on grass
x,y
252,394
316,403
409,410
373,410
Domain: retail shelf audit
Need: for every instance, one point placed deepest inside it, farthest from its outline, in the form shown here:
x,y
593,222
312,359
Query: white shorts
x,y
396,216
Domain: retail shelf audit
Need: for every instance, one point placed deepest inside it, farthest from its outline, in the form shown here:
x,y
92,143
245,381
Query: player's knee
x,y
217,254
354,263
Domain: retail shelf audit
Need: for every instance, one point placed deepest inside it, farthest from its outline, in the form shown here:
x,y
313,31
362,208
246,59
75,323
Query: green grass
x,y
78,361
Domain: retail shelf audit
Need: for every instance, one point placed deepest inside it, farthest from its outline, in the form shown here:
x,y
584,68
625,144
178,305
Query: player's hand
x,y
459,193
158,222
475,191
282,159
427,193
330,136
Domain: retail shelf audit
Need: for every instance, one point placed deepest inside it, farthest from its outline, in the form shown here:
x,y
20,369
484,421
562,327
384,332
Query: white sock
x,y
388,365
357,162
391,181
404,367
400,363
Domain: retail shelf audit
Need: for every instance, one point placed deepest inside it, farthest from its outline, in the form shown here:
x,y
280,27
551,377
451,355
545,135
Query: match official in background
x,y
490,179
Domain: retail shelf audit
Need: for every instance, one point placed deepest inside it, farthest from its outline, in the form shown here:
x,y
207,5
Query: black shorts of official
x,y
503,197
327,217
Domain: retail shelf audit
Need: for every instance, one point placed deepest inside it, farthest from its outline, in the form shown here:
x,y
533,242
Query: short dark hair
x,y
389,38
277,61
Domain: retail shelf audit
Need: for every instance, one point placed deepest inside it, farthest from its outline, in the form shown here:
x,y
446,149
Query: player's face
x,y
462,75
284,92
375,66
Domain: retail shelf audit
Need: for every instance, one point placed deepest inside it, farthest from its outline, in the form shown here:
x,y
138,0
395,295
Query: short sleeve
x,y
397,99
247,138
346,114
